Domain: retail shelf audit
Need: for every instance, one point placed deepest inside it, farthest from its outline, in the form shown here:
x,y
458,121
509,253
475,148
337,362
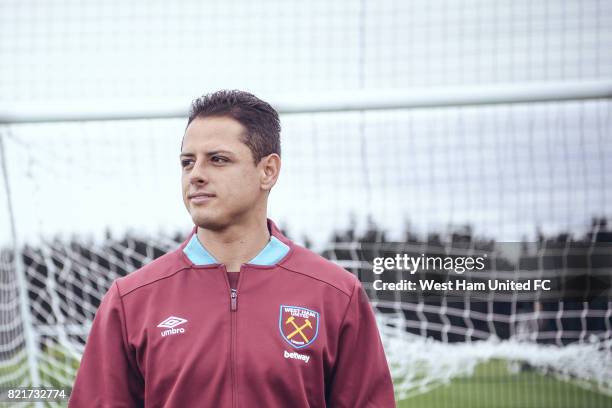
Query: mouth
x,y
198,198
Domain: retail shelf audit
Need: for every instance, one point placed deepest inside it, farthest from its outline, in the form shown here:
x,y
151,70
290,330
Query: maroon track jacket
x,y
296,333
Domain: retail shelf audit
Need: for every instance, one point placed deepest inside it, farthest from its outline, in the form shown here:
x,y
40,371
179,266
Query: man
x,y
238,315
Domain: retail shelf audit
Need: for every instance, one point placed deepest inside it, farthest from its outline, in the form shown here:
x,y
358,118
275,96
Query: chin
x,y
209,221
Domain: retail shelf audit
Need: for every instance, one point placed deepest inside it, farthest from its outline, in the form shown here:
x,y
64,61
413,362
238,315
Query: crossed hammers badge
x,y
298,326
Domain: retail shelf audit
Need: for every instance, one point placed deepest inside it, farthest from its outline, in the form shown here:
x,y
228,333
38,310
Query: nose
x,y
198,174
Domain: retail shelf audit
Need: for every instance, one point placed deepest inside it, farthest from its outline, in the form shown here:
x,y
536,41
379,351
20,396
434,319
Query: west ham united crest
x,y
298,326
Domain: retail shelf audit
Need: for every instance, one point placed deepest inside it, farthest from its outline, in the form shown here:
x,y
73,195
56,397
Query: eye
x,y
186,162
219,159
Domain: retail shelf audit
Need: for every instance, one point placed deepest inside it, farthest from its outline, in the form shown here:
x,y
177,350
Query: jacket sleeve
x,y
108,375
361,377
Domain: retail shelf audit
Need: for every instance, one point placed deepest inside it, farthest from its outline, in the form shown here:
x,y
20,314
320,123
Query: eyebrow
x,y
209,154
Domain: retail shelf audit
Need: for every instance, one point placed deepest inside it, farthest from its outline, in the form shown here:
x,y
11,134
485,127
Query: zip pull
x,y
233,300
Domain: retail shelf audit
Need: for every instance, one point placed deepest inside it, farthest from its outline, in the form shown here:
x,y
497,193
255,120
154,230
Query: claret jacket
x,y
294,330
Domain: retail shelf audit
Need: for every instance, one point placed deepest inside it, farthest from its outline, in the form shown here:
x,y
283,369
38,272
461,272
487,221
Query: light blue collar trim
x,y
273,252
196,252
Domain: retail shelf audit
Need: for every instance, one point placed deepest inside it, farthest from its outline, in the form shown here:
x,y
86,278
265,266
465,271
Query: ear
x,y
269,167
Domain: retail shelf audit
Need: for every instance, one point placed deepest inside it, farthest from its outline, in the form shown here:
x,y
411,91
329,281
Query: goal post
x,y
366,174
333,101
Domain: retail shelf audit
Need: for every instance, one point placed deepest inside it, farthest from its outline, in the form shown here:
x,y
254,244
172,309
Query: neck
x,y
237,244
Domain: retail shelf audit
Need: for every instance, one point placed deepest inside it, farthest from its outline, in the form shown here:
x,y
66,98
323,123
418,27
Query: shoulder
x,y
308,263
161,268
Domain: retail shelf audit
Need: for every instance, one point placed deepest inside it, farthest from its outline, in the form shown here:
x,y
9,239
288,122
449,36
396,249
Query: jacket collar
x,y
273,252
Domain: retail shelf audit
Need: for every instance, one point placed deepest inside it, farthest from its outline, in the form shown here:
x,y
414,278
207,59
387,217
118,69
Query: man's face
x,y
221,184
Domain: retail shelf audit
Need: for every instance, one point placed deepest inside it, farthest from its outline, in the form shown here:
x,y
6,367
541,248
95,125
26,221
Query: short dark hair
x,y
258,117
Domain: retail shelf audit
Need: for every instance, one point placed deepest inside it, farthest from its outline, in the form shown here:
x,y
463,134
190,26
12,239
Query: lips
x,y
201,197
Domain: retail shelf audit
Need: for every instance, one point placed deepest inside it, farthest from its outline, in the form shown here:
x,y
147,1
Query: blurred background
x,y
408,126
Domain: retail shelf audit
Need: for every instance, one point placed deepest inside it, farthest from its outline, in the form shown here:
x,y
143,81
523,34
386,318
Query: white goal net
x,y
413,127
90,201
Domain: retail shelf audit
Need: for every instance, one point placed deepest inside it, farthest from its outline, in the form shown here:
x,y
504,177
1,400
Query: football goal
x,y
518,172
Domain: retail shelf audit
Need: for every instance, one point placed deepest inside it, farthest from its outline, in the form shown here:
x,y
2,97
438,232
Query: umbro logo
x,y
170,323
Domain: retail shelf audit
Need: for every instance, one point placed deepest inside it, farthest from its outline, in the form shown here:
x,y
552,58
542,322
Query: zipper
x,y
234,300
233,336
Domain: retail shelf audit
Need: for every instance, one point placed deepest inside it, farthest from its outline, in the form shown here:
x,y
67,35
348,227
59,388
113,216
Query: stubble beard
x,y
206,219
216,219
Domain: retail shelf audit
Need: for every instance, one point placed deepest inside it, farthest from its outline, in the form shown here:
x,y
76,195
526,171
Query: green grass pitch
x,y
494,386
